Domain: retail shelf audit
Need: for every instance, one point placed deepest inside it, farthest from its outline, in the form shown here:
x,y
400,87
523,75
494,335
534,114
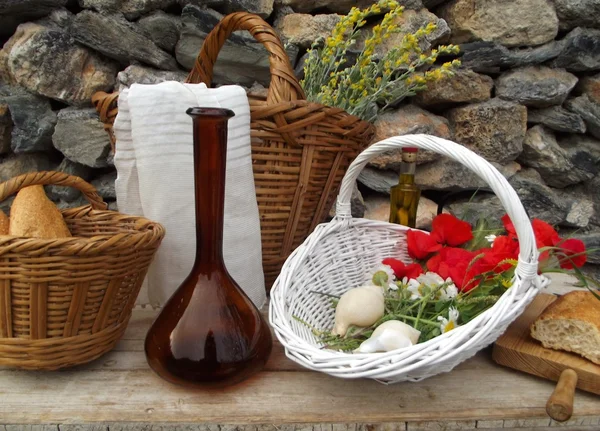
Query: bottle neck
x,y
210,154
407,172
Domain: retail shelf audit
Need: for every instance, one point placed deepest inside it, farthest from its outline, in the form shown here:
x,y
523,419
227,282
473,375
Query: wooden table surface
x,y
119,391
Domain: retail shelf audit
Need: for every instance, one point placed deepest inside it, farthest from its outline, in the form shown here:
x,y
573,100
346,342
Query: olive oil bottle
x,y
404,197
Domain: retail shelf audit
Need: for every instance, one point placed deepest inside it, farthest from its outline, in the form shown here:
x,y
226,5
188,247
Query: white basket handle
x,y
528,256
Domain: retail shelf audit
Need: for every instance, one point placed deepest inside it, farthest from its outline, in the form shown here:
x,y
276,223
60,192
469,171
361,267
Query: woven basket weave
x,y
67,301
300,149
343,253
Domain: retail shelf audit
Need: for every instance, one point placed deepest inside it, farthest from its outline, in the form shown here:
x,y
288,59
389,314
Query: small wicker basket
x,y
67,301
341,254
300,149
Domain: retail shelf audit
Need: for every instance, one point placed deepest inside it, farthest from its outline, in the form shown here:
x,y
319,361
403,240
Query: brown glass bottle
x,y
209,334
404,197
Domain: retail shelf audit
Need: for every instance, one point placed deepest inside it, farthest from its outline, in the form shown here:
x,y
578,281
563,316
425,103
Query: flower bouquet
x,y
457,273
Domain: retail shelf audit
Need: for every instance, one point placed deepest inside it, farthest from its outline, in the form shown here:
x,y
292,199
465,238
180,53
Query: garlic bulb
x,y
361,306
390,335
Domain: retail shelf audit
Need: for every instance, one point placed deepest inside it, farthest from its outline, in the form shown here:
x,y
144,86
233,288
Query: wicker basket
x,y
340,255
67,301
300,149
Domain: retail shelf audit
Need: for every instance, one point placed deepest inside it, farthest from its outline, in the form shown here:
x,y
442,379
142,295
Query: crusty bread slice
x,y
32,214
3,223
571,323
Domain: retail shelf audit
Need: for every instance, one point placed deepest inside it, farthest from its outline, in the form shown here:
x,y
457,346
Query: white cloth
x,y
155,179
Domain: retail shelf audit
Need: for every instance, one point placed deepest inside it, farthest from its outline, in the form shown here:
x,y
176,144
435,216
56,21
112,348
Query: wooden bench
x,y
120,392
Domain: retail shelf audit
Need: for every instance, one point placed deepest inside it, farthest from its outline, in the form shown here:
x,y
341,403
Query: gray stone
x,y
303,29
339,6
485,57
105,185
481,207
581,52
41,7
494,129
591,241
131,9
80,136
539,200
116,38
81,201
50,63
593,190
241,61
588,110
590,86
491,57
580,213
162,29
6,126
557,118
537,86
17,164
58,19
32,120
69,194
582,142
407,120
441,175
408,22
577,13
515,23
542,152
464,86
262,8
136,74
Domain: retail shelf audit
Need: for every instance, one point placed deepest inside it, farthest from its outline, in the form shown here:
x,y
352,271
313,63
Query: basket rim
x,y
144,234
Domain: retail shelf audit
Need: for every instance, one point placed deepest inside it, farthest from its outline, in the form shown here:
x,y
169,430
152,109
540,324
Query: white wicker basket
x,y
340,254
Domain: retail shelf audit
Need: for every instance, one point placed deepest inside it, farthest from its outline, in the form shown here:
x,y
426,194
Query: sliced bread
x,y
571,323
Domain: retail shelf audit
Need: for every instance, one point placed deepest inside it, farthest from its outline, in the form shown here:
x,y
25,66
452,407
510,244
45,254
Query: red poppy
x,y
505,247
402,270
508,225
420,244
447,229
574,250
451,262
545,235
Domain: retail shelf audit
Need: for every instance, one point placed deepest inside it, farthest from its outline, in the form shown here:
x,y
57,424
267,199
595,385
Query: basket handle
x,y
284,85
528,256
43,178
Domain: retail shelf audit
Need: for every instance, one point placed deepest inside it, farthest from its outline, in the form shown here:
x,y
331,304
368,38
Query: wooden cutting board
x,y
517,349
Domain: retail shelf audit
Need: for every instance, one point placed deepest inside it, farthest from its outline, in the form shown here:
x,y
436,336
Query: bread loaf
x,y
571,323
32,214
3,223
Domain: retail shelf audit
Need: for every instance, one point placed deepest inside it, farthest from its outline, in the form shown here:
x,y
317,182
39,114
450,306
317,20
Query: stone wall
x,y
527,97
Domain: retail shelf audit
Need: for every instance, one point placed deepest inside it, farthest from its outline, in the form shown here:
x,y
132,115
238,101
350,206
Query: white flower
x,y
450,323
388,270
414,287
430,279
450,291
490,238
393,286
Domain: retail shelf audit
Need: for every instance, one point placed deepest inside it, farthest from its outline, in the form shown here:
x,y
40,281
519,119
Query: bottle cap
x,y
410,149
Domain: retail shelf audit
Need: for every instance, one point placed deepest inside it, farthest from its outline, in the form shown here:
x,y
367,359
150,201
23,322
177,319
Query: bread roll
x,y
3,223
32,214
571,323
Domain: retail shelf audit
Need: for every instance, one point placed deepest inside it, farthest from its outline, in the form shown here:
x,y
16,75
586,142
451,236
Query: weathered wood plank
x,y
476,390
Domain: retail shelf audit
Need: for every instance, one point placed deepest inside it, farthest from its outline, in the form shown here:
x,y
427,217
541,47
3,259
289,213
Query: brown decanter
x,y
209,333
